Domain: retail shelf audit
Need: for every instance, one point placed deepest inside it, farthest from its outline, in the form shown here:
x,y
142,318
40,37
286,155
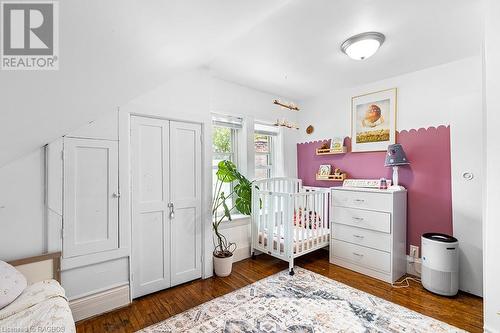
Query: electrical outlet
x,y
414,251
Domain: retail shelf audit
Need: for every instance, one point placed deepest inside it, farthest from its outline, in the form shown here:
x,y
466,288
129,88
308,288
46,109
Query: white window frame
x,y
235,125
271,156
273,137
234,147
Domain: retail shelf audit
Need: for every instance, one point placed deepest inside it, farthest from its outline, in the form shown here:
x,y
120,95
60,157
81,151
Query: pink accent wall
x,y
427,178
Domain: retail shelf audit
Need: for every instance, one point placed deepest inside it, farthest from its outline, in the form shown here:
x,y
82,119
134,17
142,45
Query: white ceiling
x,y
112,51
297,50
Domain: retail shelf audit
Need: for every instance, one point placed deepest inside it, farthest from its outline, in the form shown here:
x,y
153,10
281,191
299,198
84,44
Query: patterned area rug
x,y
305,302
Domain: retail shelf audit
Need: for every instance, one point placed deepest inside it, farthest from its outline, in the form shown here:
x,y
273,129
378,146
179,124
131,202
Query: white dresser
x,y
369,231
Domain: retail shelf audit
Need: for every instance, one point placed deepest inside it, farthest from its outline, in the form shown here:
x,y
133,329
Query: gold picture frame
x,y
373,120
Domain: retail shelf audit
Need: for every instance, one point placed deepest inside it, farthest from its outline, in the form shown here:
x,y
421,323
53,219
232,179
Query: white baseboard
x,y
413,266
489,330
99,303
241,253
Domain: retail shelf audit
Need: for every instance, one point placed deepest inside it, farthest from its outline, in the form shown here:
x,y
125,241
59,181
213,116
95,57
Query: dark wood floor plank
x,y
464,310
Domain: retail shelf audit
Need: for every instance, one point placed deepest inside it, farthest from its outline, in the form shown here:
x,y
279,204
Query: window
x,y
264,141
225,147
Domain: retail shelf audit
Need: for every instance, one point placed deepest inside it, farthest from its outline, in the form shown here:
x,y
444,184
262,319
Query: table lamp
x,y
395,157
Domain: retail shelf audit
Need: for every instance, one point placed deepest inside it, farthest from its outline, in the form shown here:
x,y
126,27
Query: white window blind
x,y
268,130
227,121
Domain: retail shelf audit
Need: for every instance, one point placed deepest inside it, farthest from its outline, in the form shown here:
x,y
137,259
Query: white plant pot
x,y
223,266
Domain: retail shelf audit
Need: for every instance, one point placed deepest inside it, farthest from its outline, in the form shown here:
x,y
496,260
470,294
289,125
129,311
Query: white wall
x,y
448,94
426,98
492,138
22,225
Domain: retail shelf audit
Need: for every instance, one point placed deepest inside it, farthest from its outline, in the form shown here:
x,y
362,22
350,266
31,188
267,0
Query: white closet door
x,y
90,196
185,189
150,199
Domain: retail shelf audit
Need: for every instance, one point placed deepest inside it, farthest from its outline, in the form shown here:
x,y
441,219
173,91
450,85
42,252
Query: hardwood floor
x,y
464,311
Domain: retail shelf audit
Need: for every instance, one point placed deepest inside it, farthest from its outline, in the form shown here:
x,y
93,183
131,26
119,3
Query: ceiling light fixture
x,y
363,46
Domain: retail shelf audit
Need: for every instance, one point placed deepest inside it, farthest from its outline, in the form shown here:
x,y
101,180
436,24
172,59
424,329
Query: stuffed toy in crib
x,y
313,220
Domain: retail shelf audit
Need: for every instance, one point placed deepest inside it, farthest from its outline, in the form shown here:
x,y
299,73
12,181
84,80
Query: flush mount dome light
x,y
362,46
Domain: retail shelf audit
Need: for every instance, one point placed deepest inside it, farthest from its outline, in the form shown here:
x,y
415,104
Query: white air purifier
x,y
440,263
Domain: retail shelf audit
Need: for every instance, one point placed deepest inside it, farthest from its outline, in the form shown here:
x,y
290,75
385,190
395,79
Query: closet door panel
x,y
185,190
185,240
151,235
150,216
152,163
90,196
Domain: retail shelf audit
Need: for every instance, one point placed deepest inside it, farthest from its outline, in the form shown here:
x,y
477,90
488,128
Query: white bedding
x,y
42,307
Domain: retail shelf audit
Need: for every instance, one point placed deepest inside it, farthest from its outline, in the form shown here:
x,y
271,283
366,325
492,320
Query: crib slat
x,y
311,220
326,213
303,224
263,219
306,223
326,216
270,229
296,226
316,218
319,238
288,227
279,223
323,222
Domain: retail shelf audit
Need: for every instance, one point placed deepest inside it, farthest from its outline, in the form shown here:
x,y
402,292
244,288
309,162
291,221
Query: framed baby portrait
x,y
373,121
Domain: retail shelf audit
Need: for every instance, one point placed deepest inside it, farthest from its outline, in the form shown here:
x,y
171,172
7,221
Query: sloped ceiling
x,y
112,51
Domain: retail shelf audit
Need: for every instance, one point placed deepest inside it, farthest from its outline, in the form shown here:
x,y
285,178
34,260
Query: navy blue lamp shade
x,y
395,156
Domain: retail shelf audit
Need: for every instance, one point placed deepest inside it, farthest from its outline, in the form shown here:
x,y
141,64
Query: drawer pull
x,y
359,236
359,219
358,254
359,200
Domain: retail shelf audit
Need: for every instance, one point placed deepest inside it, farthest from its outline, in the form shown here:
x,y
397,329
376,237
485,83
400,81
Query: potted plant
x,y
241,198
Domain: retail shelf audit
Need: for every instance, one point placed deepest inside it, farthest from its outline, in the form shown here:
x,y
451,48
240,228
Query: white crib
x,y
289,220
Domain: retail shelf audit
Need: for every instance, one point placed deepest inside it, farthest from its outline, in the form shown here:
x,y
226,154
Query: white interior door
x,y
150,205
90,212
185,191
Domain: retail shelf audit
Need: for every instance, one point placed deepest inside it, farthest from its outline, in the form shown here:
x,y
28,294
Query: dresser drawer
x,y
362,256
373,239
360,218
364,200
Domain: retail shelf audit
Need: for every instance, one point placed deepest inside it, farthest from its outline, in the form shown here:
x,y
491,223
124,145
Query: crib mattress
x,y
299,243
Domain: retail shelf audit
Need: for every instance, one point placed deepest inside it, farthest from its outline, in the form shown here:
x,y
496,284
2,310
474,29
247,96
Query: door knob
x,y
116,195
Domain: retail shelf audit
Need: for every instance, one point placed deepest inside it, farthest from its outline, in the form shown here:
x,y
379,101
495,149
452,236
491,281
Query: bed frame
x,y
39,268
289,220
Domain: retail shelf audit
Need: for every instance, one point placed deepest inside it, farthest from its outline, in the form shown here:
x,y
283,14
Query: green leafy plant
x,y
241,196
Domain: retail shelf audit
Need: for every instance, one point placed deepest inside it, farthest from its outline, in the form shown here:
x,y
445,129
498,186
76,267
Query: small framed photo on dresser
x,y
373,121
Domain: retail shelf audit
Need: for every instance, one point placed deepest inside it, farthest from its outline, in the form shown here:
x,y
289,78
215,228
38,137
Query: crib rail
x,y
288,220
280,185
